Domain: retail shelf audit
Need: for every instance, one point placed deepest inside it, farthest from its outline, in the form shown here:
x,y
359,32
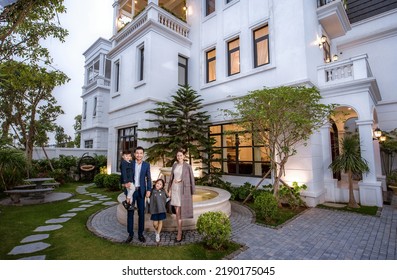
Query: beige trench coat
x,y
188,189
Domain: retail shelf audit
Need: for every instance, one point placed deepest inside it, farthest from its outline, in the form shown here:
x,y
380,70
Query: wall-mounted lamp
x,y
379,135
335,57
323,40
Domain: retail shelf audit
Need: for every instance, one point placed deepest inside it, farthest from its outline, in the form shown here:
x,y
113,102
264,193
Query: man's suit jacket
x,y
145,179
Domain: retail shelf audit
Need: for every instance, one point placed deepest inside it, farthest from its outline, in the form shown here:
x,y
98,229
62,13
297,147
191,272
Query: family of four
x,y
136,179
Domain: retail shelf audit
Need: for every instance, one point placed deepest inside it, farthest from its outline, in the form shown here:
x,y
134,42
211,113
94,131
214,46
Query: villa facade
x,y
225,48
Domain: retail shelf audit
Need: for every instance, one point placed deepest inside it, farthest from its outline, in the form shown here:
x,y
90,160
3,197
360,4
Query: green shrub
x,y
112,182
59,175
99,180
291,196
13,167
215,228
266,206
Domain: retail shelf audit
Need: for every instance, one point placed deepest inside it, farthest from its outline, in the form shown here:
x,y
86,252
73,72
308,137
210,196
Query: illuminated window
x,y
233,57
239,154
211,65
127,140
261,46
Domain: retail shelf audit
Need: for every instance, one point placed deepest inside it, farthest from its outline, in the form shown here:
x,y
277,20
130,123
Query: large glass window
x,y
108,68
239,153
233,57
210,57
261,46
209,7
127,140
182,71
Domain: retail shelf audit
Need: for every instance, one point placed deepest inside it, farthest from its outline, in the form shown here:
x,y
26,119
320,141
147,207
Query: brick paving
x,y
316,234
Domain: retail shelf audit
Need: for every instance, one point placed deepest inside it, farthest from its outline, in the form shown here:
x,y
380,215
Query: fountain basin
x,y
204,200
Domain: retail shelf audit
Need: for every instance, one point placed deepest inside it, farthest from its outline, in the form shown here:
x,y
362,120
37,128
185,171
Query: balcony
x,y
155,16
352,71
332,16
97,81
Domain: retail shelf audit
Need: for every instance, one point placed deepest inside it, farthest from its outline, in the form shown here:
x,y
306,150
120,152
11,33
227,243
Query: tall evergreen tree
x,y
180,123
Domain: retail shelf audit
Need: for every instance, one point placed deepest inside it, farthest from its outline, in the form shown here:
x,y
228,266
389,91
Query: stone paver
x,y
36,237
74,200
316,234
39,258
29,248
86,205
48,228
68,215
56,221
77,209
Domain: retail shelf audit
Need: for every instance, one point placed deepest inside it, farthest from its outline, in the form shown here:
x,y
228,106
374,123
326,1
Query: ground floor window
x,y
88,144
239,155
127,140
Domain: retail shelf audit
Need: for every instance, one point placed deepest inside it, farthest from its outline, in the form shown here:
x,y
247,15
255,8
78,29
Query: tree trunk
x,y
352,201
257,186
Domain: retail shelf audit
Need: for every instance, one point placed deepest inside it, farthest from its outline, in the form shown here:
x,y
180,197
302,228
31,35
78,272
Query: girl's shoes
x,y
157,237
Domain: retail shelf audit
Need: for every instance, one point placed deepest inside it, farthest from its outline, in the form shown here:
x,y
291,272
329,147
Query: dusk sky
x,y
86,21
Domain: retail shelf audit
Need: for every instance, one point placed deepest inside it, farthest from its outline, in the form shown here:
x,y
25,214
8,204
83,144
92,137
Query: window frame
x,y
85,105
227,163
208,10
128,138
183,67
94,111
256,41
141,63
207,64
88,144
230,52
117,75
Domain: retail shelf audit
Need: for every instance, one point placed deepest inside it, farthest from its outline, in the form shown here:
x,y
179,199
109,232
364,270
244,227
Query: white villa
x,y
224,49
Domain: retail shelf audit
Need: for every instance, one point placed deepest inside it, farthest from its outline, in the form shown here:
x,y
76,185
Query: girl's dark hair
x,y
183,151
161,181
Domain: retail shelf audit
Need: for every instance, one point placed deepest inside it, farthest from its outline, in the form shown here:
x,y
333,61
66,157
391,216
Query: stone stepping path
x,y
33,243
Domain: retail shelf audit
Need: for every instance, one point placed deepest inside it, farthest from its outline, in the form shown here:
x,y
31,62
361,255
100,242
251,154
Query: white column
x,y
116,8
370,189
327,152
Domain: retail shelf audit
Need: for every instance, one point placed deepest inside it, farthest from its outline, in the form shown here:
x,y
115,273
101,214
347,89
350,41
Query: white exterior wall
x,y
295,58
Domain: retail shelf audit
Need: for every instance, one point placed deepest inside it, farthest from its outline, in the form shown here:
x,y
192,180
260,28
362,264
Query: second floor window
x,y
117,76
88,144
211,65
182,71
141,69
233,57
85,111
92,71
95,106
209,7
261,46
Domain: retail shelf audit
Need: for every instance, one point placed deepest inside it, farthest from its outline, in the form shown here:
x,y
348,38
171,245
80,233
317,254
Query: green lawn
x,y
75,242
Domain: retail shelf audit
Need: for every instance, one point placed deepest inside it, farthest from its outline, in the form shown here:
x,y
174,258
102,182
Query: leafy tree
x,y
389,151
281,119
27,105
77,128
24,23
351,162
61,138
180,123
13,167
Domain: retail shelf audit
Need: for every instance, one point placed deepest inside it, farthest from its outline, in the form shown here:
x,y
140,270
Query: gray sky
x,y
86,21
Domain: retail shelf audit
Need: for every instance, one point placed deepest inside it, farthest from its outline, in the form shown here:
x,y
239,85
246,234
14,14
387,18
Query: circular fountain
x,y
205,199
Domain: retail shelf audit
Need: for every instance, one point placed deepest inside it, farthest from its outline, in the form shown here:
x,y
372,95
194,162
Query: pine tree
x,y
178,124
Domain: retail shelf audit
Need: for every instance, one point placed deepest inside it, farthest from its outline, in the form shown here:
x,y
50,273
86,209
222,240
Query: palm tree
x,y
351,162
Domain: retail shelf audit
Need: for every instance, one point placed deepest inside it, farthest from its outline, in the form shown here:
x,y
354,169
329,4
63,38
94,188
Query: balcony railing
x,y
355,68
154,14
95,82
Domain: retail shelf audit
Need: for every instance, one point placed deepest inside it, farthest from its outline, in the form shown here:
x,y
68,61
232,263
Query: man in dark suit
x,y
143,186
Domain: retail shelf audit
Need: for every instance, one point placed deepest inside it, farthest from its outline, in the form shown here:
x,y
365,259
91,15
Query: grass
x,y
365,210
75,242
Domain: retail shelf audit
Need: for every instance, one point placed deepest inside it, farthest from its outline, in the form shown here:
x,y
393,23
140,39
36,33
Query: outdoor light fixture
x,y
377,132
323,39
379,136
335,57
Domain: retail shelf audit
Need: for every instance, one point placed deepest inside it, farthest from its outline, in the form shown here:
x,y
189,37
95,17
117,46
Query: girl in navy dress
x,y
158,199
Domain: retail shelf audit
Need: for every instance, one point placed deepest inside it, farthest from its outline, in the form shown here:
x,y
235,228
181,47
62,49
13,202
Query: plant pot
x,y
393,188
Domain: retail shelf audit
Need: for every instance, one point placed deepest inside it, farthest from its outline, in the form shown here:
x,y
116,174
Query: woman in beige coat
x,y
181,188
